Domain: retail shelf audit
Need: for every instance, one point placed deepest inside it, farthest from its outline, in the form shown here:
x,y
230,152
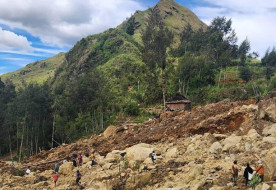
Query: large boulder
x,y
270,130
231,142
66,168
215,148
271,140
139,152
193,174
171,153
267,109
114,157
253,134
269,162
110,131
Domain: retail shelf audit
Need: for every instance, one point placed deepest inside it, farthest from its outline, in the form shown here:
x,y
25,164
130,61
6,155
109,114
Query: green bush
x,y
126,163
132,108
18,172
255,181
245,74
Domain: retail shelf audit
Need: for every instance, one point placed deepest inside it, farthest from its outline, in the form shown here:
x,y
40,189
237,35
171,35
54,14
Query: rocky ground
x,y
195,152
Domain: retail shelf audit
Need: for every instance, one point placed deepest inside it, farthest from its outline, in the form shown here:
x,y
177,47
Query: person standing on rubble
x,y
153,157
260,170
56,167
235,172
86,153
78,177
55,178
92,158
247,174
74,158
80,159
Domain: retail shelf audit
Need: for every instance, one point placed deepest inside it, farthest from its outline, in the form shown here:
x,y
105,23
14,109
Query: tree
x,y
245,73
269,62
243,51
156,39
185,39
221,42
269,58
130,25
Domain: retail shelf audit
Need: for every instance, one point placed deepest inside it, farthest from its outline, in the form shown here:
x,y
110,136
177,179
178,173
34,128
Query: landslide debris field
x,y
222,117
195,150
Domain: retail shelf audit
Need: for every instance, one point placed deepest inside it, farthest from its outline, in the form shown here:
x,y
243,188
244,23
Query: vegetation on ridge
x,y
107,77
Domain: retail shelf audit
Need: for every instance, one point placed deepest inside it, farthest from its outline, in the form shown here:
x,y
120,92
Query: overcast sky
x,y
32,30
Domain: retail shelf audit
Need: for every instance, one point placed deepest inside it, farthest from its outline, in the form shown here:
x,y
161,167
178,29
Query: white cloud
x,y
12,41
251,18
63,22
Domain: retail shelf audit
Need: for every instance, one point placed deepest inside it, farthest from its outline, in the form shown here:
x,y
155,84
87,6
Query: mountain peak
x,y
177,16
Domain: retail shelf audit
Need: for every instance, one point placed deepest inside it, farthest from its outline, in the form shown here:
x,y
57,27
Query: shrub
x,y
245,74
18,172
255,181
126,163
132,108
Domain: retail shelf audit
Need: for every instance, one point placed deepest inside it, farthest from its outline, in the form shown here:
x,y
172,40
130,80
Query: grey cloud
x,y
63,22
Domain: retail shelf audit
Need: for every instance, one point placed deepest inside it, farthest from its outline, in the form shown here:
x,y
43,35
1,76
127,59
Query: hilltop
x,y
37,72
175,17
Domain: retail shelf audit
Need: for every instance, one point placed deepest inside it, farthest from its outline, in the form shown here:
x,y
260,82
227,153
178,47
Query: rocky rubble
x,y
195,151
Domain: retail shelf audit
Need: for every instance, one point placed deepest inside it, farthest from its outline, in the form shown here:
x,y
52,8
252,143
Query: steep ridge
x,y
39,71
103,48
195,151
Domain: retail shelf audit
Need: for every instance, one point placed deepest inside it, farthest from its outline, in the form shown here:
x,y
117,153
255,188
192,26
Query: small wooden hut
x,y
178,102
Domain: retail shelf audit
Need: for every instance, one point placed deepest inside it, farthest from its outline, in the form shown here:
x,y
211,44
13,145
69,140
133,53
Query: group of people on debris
x,y
77,161
248,172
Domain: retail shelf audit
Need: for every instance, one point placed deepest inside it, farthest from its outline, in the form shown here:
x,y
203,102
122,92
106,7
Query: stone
x,y
113,157
85,159
273,187
148,161
138,152
266,187
270,130
269,139
107,166
267,109
144,179
66,168
195,172
215,148
171,153
110,131
253,134
269,162
231,142
248,146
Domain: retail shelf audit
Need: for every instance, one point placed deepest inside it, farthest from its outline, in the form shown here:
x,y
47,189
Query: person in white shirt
x,y
153,157
28,171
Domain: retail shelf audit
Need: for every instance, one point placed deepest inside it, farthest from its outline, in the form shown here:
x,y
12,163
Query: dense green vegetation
x,y
119,73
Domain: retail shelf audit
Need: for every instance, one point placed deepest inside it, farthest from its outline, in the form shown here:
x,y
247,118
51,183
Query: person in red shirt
x,y
80,159
55,177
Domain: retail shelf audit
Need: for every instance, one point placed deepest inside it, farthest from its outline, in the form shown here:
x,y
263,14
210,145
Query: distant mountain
x,y
39,71
175,17
105,49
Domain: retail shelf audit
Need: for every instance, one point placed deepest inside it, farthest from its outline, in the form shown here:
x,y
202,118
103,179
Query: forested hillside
x,y
120,73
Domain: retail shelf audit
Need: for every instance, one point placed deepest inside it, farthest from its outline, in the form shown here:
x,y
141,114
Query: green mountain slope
x,y
104,47
175,17
38,71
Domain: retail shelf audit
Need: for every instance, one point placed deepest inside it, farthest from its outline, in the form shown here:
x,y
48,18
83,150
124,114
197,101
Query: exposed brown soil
x,y
212,118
